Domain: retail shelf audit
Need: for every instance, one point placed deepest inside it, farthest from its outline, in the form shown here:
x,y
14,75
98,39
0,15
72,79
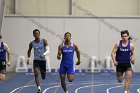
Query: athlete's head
x,y
0,36
125,35
67,36
36,33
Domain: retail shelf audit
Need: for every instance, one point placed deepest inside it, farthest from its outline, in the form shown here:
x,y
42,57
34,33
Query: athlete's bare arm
x,y
45,42
132,53
29,52
8,54
59,52
113,54
78,54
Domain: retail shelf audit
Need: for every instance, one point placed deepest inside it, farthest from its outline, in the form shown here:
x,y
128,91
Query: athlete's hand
x,y
8,63
115,63
133,62
78,63
58,57
28,61
42,56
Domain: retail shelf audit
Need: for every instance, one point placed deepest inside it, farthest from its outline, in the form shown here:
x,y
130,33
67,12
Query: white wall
x,y
9,7
108,7
43,7
94,37
62,7
2,3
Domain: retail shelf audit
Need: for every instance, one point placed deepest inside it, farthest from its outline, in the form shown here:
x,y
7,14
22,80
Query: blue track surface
x,y
83,83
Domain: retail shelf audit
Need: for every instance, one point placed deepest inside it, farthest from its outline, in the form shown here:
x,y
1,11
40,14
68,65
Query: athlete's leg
x,y
43,69
70,72
62,73
128,80
2,70
63,84
2,76
119,77
43,75
36,75
120,71
70,77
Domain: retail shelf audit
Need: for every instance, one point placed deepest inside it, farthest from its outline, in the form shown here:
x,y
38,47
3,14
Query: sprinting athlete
x,y
4,60
66,49
122,56
41,49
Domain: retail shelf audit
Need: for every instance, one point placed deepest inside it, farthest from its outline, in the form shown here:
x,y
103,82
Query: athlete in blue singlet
x,y
41,49
67,49
3,58
122,56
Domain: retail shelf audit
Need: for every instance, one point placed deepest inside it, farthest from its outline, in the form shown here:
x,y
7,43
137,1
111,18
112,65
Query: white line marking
x,y
59,86
20,88
23,87
138,90
76,91
107,90
29,86
50,88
